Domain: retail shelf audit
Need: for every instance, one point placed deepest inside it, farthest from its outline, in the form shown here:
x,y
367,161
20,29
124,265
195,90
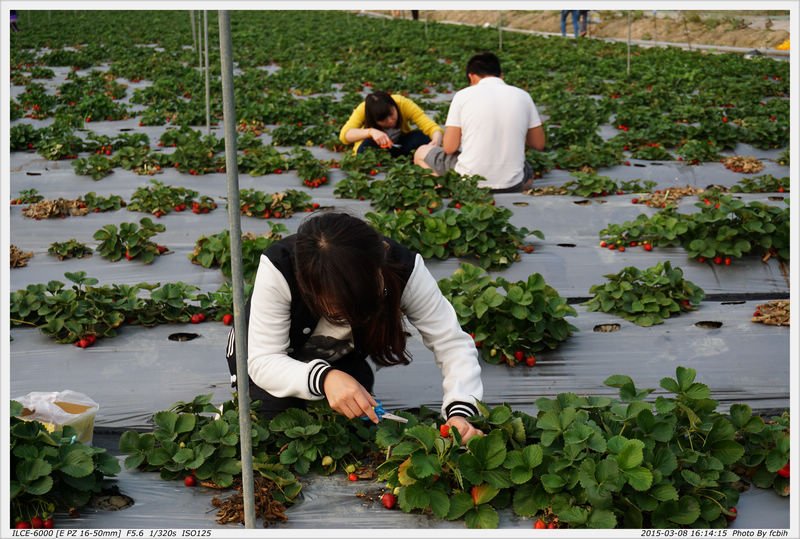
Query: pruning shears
x,y
383,414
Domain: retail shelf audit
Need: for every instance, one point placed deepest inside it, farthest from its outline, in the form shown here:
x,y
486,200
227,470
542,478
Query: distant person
x,y
583,21
564,14
488,127
384,121
14,17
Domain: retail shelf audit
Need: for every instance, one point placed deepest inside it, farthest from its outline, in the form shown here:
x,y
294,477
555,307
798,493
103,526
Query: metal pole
x,y
655,25
194,31
199,45
629,43
235,227
500,30
426,28
208,87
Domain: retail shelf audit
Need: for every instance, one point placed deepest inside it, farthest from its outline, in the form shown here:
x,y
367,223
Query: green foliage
x,y
28,196
69,249
479,231
506,318
645,297
160,199
283,204
592,185
51,471
215,251
97,204
131,241
96,166
766,183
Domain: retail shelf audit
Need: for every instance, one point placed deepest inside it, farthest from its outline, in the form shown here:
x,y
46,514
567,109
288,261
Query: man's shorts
x,y
441,162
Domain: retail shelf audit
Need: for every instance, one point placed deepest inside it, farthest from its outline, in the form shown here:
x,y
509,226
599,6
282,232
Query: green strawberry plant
x,y
593,185
51,471
589,156
583,462
766,183
27,196
262,160
355,185
215,251
509,321
96,203
311,171
364,162
479,231
284,204
59,143
695,151
188,440
645,297
69,249
24,137
765,462
96,166
130,241
651,151
160,199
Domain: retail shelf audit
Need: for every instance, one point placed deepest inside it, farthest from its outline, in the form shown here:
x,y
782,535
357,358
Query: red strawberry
x,y
227,319
530,361
37,522
277,215
733,514
352,476
315,205
539,524
91,338
717,260
444,430
621,248
727,261
634,244
49,523
474,492
388,500
648,247
784,472
189,481
519,355
201,317
458,205
128,256
373,172
161,249
552,526
780,189
603,244
701,259
724,119
22,525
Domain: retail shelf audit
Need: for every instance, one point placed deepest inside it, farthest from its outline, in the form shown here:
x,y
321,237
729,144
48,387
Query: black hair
x,y
377,107
484,64
341,265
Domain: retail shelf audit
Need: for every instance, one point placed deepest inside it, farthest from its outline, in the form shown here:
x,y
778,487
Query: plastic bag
x,y
57,409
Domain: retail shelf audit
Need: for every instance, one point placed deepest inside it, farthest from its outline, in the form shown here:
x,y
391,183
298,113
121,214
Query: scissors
x,y
383,414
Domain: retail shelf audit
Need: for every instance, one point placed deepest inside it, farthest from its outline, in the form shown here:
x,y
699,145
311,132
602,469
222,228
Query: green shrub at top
x,y
215,251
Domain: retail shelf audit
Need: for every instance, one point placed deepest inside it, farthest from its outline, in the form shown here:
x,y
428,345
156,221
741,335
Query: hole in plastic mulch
x,y
33,173
707,324
775,198
183,337
520,204
656,164
565,244
639,165
126,128
582,202
732,302
606,328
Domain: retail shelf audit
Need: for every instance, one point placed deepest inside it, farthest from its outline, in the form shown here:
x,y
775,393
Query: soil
x,y
756,30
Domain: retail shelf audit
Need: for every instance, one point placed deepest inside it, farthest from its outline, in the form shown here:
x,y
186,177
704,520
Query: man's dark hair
x,y
377,107
341,262
485,64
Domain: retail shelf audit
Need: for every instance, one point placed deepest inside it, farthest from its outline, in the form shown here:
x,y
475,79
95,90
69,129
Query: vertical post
x,y
629,43
235,227
199,44
500,31
426,27
194,31
208,87
655,26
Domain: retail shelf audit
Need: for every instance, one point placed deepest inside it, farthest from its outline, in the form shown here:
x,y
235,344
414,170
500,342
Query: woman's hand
x,y
348,397
380,138
465,429
436,138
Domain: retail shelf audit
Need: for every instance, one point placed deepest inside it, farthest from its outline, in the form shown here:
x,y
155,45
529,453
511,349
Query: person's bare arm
x,y
535,138
452,139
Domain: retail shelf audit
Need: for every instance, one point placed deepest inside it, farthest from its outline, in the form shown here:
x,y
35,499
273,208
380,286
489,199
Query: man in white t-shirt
x,y
488,127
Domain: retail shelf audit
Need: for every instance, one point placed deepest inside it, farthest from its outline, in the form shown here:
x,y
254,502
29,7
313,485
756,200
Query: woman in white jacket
x,y
332,295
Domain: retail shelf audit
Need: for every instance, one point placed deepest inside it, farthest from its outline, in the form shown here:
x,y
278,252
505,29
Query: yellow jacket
x,y
409,110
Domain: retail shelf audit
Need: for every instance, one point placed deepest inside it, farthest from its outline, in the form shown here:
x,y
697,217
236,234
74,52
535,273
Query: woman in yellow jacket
x,y
384,121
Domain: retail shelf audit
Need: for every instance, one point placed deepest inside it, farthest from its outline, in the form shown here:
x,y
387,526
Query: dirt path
x,y
733,28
